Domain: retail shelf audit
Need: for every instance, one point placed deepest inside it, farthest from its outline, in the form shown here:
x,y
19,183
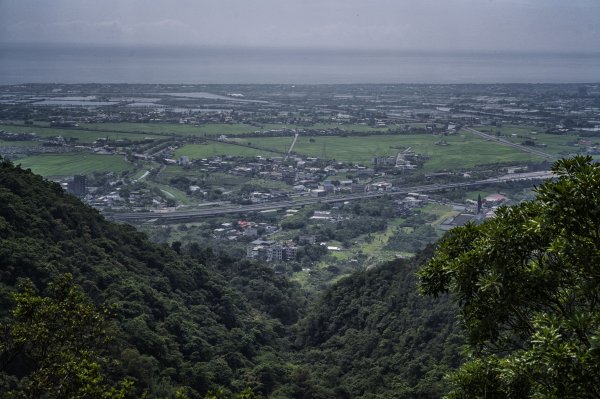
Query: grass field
x,y
556,144
324,126
82,136
441,212
508,129
143,167
372,245
375,248
74,163
462,151
348,127
171,192
199,151
213,129
24,144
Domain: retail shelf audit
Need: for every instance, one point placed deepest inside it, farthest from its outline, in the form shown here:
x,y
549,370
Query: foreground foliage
x,y
56,346
528,285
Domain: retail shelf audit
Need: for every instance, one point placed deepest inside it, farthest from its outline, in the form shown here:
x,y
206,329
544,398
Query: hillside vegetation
x,y
178,322
528,285
186,320
372,335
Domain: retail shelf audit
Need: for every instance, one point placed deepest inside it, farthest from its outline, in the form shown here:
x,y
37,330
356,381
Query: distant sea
x,y
104,64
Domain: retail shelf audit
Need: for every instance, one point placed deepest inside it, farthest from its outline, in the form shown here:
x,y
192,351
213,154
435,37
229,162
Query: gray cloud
x,y
494,25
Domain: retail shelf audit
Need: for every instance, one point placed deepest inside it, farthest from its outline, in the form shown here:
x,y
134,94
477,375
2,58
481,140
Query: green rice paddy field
x,y
216,129
73,163
82,136
213,129
462,151
555,144
345,127
210,149
559,144
24,144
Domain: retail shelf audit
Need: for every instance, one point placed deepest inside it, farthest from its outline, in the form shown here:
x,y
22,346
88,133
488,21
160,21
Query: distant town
x,y
315,180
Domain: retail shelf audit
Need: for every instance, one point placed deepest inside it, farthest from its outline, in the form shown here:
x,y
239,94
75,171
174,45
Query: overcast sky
x,y
471,25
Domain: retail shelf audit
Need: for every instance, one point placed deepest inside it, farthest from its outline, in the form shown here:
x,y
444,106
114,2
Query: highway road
x,y
190,215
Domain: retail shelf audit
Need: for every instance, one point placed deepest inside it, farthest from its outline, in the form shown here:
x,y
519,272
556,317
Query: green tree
x,y
54,345
528,286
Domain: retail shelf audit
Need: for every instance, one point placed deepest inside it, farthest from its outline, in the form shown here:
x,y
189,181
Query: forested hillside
x,y
528,285
373,335
191,320
178,322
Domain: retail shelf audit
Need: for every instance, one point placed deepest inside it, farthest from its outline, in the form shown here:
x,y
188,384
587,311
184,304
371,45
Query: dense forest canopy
x,y
528,285
178,323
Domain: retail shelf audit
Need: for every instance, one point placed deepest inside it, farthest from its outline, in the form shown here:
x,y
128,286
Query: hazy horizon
x,y
309,41
302,48
425,25
76,63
